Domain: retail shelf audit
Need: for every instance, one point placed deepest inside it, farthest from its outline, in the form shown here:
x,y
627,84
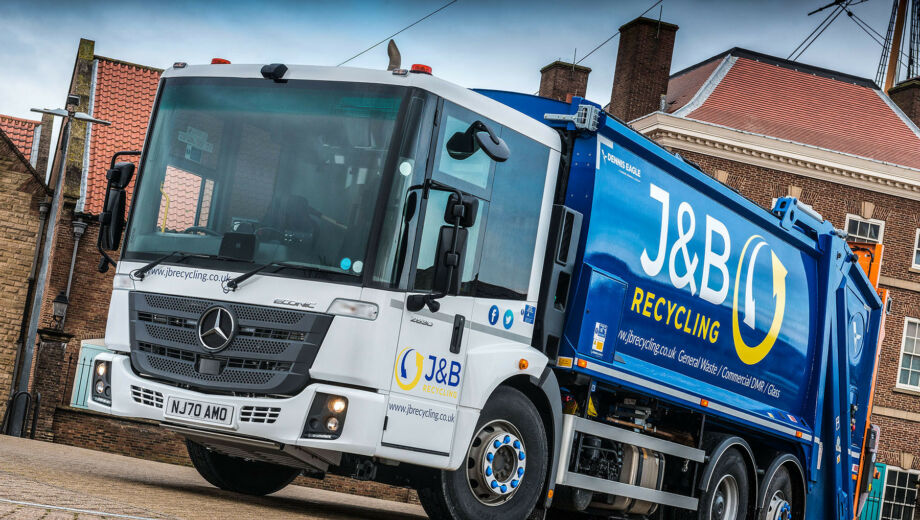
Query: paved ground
x,y
44,481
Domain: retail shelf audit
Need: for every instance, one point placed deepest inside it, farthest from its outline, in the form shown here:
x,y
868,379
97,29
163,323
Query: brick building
x,y
768,128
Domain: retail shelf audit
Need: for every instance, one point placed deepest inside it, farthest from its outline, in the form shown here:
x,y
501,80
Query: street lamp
x,y
59,309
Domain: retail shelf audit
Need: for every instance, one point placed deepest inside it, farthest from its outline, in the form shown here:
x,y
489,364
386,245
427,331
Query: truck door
x,y
429,364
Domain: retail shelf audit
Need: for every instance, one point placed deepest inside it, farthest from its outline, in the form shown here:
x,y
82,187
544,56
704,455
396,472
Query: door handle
x,y
456,337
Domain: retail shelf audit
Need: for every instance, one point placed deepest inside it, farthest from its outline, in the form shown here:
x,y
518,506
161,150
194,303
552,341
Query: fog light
x,y
326,418
100,387
337,404
100,369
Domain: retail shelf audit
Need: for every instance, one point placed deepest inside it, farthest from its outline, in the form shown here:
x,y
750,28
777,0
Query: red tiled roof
x,y
21,132
810,106
124,95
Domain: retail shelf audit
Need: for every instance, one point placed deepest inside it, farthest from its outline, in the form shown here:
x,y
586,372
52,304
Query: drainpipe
x,y
43,208
79,227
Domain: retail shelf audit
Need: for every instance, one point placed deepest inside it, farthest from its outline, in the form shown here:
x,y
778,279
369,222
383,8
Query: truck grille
x,y
271,353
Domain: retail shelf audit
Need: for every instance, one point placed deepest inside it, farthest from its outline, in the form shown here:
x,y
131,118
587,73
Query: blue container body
x,y
688,292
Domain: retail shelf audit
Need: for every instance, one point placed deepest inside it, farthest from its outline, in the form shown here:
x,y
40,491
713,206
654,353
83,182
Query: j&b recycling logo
x,y
754,354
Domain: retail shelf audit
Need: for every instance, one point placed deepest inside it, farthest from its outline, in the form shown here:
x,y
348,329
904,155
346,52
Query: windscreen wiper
x,y
234,283
139,274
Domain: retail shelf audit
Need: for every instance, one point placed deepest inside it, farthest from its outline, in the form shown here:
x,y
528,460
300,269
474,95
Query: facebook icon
x,y
493,315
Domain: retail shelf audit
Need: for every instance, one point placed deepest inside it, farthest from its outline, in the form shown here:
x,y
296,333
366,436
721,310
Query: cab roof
x,y
467,98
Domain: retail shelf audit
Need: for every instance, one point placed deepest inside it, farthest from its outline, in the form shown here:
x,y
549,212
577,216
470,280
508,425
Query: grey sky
x,y
493,44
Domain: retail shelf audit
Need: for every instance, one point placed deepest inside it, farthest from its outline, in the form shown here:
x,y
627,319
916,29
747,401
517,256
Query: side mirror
x,y
120,175
112,220
478,136
465,209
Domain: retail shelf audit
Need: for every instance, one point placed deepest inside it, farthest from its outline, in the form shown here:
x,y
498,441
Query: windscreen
x,y
270,172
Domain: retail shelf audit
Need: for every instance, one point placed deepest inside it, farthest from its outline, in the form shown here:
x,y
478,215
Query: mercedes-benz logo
x,y
216,328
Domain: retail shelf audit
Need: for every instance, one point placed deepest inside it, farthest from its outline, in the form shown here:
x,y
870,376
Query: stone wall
x,y
20,195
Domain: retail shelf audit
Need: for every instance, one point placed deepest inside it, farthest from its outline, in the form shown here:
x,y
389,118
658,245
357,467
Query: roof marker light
x,y
418,68
179,65
219,61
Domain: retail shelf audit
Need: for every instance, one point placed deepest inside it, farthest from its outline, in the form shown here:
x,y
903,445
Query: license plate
x,y
199,411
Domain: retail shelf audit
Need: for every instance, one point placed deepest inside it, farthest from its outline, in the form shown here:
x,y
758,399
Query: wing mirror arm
x,y
462,213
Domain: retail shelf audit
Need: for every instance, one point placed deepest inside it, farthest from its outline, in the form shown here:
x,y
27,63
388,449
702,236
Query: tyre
x,y
779,505
504,470
729,489
249,477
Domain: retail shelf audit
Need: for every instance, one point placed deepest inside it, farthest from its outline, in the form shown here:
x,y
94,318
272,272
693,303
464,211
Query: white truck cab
x,y
283,298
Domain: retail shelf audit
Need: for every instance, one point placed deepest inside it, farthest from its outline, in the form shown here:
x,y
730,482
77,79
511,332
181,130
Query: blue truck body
x,y
689,293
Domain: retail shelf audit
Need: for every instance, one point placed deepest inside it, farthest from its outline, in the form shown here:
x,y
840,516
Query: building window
x,y
915,262
865,229
909,372
900,494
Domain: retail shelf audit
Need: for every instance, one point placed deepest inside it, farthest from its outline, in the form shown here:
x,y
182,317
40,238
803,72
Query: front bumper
x,y
137,397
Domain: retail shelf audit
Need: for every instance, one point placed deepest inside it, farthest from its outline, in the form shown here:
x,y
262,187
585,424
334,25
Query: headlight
x,y
326,417
337,404
353,308
102,383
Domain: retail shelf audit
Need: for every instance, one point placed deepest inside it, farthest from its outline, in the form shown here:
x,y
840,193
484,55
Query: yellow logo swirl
x,y
399,371
755,354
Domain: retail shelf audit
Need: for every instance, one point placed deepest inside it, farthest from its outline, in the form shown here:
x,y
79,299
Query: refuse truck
x,y
517,306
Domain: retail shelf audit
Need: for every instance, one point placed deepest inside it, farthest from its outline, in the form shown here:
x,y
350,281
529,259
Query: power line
x,y
432,13
810,34
867,28
840,9
614,35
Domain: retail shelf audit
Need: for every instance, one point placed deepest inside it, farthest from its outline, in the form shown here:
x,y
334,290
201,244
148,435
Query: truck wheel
x,y
505,467
779,497
727,496
249,477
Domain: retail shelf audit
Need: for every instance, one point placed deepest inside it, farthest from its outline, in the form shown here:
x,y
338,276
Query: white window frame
x,y
888,471
880,223
897,381
914,251
881,226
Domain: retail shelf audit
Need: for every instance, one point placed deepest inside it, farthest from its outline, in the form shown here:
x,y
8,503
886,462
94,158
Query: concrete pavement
x,y
45,481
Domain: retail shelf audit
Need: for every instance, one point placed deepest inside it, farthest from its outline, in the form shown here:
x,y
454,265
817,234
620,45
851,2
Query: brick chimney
x,y
560,80
44,144
643,67
907,96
